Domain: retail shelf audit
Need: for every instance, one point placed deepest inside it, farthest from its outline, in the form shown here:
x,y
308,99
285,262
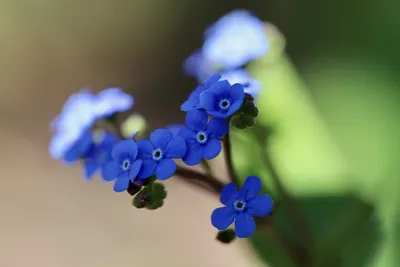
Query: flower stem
x,y
204,181
228,159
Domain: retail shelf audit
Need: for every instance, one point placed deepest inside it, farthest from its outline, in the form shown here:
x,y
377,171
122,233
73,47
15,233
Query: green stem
x,y
228,158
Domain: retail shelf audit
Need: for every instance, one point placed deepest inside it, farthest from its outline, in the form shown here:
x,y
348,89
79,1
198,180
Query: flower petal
x,y
208,100
244,225
160,138
188,105
212,148
217,128
122,182
197,120
90,167
134,169
227,193
251,187
221,89
232,109
125,149
147,169
145,148
237,93
221,218
165,169
213,79
111,170
194,154
176,148
260,206
187,133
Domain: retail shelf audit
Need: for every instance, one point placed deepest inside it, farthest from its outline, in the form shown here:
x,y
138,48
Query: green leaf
x,y
150,197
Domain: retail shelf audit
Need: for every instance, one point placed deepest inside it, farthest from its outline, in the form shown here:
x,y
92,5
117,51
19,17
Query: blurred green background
x,y
337,106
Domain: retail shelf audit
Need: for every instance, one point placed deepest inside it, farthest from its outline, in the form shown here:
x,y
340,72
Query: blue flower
x,y
235,39
80,148
222,100
197,66
124,166
76,117
202,137
193,101
157,154
242,206
250,85
99,153
175,128
112,100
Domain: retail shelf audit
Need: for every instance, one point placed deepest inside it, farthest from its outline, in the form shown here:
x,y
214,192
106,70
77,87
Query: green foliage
x,y
150,197
345,178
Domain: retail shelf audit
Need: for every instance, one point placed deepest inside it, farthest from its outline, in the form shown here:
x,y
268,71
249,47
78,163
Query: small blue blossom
x,y
112,100
221,99
197,66
202,137
124,166
235,39
76,117
250,85
79,149
175,128
193,101
158,152
99,153
242,206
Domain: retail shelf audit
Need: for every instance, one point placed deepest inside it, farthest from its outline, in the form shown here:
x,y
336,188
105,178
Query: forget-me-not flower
x,y
124,166
197,66
222,99
158,152
112,100
80,148
202,137
242,206
193,102
76,117
250,85
99,153
235,39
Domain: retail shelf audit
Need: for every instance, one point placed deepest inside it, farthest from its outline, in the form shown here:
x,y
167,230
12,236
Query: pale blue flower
x,y
235,39
250,85
112,100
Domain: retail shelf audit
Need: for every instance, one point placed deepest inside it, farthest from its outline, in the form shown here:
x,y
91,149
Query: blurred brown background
x,y
52,48
49,215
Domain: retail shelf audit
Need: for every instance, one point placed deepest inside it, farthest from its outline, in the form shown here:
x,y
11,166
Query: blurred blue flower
x,y
250,85
193,102
76,117
99,153
80,112
158,152
124,165
112,100
221,99
242,206
202,137
196,66
80,148
235,39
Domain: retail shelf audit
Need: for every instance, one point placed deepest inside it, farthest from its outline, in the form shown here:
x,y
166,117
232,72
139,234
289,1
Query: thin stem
x,y
228,159
305,243
203,181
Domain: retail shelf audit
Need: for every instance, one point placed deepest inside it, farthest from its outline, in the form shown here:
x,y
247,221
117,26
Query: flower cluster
x,y
86,130
229,44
